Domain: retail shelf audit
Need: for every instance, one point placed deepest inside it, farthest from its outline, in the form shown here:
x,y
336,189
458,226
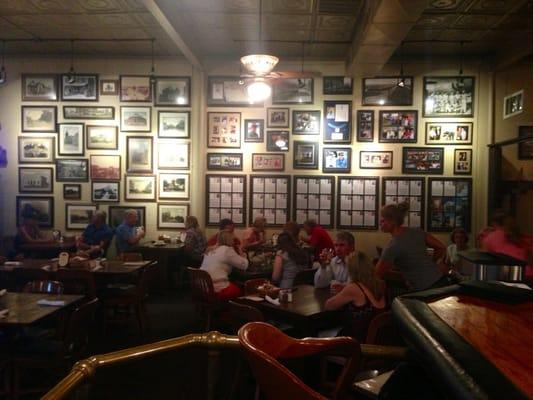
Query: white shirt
x,y
219,262
336,270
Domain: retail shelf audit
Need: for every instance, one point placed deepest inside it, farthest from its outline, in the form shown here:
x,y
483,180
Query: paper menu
x,y
346,186
270,185
237,216
325,202
214,199
226,213
391,187
214,184
449,188
345,218
324,217
281,201
281,216
301,216
225,200
416,188
358,186
346,202
342,112
403,188
214,215
238,184
301,185
370,186
237,200
437,188
370,202
270,216
225,184
258,200
325,186
357,218
301,201
259,185
314,186
415,220
313,201
270,200
281,185
369,218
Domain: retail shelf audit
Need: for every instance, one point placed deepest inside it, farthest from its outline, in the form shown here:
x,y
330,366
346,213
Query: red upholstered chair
x,y
264,345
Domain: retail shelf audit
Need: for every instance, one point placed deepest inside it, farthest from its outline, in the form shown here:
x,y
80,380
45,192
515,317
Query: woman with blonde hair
x,y
363,297
219,261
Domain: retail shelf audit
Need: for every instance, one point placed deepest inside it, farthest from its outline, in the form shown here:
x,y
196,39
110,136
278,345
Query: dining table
x,y
167,256
48,249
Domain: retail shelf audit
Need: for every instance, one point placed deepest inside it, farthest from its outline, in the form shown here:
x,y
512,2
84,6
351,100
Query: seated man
x,y
96,237
318,237
334,268
225,225
127,234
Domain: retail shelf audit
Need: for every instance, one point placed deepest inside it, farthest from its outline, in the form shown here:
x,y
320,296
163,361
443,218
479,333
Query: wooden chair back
x,y
202,289
145,280
77,281
250,286
264,345
44,287
305,277
79,326
382,331
131,257
21,276
241,314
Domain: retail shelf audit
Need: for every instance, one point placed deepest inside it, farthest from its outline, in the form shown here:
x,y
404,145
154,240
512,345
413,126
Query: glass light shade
x,y
258,91
259,64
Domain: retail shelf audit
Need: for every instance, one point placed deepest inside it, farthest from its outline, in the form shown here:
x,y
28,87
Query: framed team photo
x,y
449,96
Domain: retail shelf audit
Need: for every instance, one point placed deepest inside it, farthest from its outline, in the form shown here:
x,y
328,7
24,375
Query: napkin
x,y
2,292
12,263
253,298
4,313
272,301
97,268
46,267
53,303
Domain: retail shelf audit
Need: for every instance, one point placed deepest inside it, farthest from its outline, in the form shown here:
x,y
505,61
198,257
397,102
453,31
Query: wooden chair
x,y
203,295
305,277
131,257
77,281
382,331
21,276
241,314
250,286
44,287
54,355
395,285
264,345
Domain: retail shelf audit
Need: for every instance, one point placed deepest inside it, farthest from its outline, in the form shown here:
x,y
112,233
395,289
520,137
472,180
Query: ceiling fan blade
x,y
293,74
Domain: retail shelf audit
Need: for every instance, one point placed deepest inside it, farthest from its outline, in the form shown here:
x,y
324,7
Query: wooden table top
x,y
108,267
502,333
165,247
49,246
24,310
485,258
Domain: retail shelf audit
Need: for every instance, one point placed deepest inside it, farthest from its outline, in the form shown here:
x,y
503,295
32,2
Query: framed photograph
x,y
409,190
39,87
357,202
105,167
43,205
228,91
225,197
398,126
254,130
270,198
72,170
117,214
108,192
135,119
172,216
102,137
172,155
42,119
305,155
139,187
449,204
224,161
173,186
293,91
337,121
444,133
71,191
78,216
375,159
173,124
224,130
525,149
449,96
365,125
173,91
36,150
79,87
422,160
277,117
277,140
268,162
314,198
306,122
109,87
384,91
337,85
462,161
36,180
337,159
88,112
513,104
140,156
71,139
135,88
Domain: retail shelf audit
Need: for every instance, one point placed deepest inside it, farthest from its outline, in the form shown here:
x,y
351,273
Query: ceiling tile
x,y
462,34
114,20
434,21
423,34
146,19
334,36
339,7
445,5
299,35
516,22
101,6
57,6
476,21
235,6
385,33
493,6
288,6
337,22
30,21
17,7
287,21
133,5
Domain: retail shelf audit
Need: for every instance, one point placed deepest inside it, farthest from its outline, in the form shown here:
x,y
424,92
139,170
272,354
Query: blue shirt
x,y
124,232
94,236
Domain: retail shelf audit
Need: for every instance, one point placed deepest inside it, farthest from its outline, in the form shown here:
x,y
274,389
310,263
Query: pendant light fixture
x,y
3,73
70,76
461,43
401,82
152,71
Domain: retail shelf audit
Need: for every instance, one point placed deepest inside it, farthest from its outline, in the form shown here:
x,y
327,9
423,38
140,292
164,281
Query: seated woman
x,y
29,231
459,239
407,251
363,297
290,259
219,261
195,242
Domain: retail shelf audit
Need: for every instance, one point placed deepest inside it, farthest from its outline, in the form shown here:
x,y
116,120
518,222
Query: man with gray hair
x,y
97,235
127,234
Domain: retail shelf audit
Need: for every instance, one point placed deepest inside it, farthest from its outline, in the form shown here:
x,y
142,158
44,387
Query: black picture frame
x,y
358,200
131,156
462,161
72,191
254,130
161,124
336,129
80,223
228,91
70,91
423,160
376,159
314,198
48,114
89,112
62,140
449,96
449,133
72,170
92,145
293,91
36,87
29,149
448,199
525,148
109,171
139,84
387,91
398,189
36,180
278,117
268,162
340,156
306,122
108,191
142,197
46,219
393,127
116,215
224,130
278,140
270,197
365,125
127,124
337,85
217,186
171,96
224,161
305,154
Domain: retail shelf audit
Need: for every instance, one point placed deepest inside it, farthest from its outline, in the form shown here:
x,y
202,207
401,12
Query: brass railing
x,y
85,370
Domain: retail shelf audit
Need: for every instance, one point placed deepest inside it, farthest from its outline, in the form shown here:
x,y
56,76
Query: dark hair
x,y
225,223
311,223
395,212
346,237
292,228
458,230
286,243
